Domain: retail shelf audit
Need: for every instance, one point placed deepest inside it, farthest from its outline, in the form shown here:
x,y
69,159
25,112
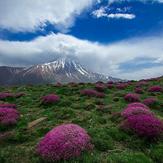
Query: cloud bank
x,y
106,59
28,15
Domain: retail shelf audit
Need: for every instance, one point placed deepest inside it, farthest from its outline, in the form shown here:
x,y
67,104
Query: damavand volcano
x,y
63,70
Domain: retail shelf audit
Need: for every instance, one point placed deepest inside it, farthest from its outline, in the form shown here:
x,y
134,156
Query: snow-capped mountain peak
x,y
64,65
64,70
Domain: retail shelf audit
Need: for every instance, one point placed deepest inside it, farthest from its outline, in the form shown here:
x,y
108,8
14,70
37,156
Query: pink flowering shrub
x,y
137,104
144,125
4,95
92,93
88,92
129,82
100,95
110,86
155,89
99,82
150,101
141,83
132,97
135,110
50,99
8,106
138,90
17,95
64,142
121,86
110,82
8,116
100,87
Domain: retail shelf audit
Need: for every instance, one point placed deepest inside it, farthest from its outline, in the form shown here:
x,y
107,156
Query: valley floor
x,y
100,117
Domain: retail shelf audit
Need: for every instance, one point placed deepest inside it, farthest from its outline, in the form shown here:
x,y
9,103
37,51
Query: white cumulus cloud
x,y
106,59
29,15
121,15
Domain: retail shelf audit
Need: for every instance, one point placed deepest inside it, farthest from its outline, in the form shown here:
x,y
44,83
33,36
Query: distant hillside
x,y
8,73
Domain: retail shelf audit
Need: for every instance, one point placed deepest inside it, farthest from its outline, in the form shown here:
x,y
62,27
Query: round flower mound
x,y
132,97
135,110
137,104
100,95
110,86
50,99
110,82
141,83
8,106
100,87
155,89
89,92
138,90
150,101
64,142
121,86
145,125
4,95
18,95
8,116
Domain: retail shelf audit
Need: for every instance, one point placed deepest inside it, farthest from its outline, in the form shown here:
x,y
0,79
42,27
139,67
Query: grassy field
x,y
99,116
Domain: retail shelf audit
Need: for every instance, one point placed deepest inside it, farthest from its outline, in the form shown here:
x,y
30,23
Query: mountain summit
x,y
64,70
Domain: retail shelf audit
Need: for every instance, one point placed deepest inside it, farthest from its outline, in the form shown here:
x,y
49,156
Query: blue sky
x,y
121,38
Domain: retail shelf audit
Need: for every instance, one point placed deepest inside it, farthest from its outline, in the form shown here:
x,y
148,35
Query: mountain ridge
x,y
63,70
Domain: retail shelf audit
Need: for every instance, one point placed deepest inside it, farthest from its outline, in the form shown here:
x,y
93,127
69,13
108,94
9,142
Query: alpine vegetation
x,y
8,116
50,99
64,142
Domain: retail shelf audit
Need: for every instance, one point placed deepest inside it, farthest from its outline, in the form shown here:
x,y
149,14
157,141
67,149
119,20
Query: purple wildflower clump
x,y
137,104
88,92
132,97
4,95
8,106
18,95
141,83
8,116
121,85
99,82
100,87
129,83
64,142
110,86
155,89
110,82
138,90
100,95
92,93
135,110
50,99
150,101
145,125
